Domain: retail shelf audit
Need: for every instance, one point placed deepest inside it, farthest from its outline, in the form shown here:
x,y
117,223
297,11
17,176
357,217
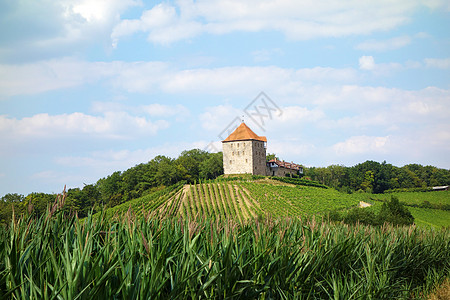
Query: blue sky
x,y
89,87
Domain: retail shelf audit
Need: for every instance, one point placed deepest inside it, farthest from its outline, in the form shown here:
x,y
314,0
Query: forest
x,y
375,177
194,165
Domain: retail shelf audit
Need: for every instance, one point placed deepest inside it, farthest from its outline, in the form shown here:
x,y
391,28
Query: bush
x,y
395,213
392,212
361,215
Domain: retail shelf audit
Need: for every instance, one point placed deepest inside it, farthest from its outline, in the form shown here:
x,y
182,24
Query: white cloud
x,y
160,16
50,75
239,80
353,98
366,63
385,45
365,106
297,114
218,118
166,23
46,28
152,110
361,144
109,125
440,63
148,77
159,110
291,150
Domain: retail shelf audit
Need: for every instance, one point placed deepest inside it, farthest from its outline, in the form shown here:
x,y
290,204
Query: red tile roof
x,y
244,133
286,165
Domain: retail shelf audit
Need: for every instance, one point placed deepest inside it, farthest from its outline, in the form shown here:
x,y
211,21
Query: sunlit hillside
x,y
244,199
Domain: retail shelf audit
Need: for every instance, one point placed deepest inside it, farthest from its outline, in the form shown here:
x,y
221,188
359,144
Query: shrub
x,y
361,215
395,213
392,212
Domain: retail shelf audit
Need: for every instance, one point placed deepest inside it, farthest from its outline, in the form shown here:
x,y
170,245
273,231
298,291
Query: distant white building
x,y
440,188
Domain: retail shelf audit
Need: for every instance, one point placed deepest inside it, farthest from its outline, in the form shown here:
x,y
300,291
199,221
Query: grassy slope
x,y
424,217
438,197
430,217
243,200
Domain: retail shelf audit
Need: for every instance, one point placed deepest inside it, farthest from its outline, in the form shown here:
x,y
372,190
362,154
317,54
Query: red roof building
x,y
281,168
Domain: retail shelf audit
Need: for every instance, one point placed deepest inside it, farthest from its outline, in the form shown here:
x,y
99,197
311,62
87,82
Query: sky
x,y
90,87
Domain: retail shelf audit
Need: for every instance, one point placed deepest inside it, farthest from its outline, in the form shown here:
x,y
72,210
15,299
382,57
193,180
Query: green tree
x,y
271,156
212,167
12,198
8,203
39,202
83,201
188,164
167,173
367,184
111,189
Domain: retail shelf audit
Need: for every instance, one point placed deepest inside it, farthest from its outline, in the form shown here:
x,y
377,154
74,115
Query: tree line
x,y
375,177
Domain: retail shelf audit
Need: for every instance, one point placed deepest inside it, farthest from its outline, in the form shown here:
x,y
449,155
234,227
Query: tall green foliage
x,y
57,256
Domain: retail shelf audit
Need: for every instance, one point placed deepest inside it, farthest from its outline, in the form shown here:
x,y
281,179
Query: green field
x,y
247,199
430,217
438,197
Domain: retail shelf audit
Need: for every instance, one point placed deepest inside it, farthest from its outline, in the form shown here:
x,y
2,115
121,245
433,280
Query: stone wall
x,y
259,158
244,157
281,172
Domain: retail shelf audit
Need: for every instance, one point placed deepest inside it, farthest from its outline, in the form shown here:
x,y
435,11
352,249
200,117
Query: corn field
x,y
59,256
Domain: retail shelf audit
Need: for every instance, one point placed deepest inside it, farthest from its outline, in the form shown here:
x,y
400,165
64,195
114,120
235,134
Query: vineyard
x,y
239,200
246,199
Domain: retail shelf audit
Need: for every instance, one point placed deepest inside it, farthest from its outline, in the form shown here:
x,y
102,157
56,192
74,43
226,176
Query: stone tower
x,y
244,152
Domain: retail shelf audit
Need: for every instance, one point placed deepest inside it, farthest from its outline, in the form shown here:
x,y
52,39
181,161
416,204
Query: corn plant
x,y
59,256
